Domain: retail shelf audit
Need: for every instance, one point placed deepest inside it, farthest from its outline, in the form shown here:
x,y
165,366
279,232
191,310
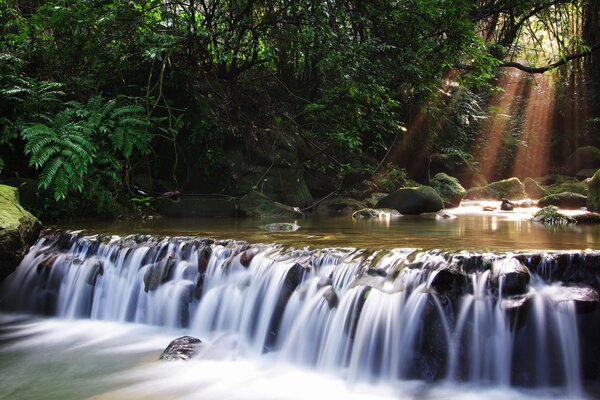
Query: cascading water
x,y
501,320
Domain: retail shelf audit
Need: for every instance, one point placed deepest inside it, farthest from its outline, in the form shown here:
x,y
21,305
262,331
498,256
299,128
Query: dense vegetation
x,y
188,92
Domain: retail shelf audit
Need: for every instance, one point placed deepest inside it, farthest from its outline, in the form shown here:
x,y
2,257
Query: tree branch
x,y
541,70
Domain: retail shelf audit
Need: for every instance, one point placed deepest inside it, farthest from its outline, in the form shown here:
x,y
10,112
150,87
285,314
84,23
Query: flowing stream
x,y
87,316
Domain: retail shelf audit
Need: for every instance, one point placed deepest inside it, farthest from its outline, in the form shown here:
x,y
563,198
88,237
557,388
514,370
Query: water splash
x,y
374,317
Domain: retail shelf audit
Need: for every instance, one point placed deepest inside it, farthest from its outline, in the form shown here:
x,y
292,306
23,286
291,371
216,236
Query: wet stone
x,y
182,348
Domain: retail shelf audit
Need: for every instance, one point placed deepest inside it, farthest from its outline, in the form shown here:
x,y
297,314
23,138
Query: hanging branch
x,y
561,62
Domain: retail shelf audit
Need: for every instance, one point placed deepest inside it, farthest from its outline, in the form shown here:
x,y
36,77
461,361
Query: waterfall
x,y
484,319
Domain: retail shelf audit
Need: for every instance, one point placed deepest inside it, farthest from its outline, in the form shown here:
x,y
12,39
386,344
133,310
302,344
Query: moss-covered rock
x,y
550,215
256,204
457,165
338,206
449,189
593,197
570,185
412,201
583,158
368,213
512,189
566,200
533,189
18,230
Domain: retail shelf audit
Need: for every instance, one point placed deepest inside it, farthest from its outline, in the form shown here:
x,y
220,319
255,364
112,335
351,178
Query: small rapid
x,y
523,320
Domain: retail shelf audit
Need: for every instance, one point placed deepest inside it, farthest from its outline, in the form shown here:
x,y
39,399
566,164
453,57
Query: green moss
x,y
568,186
593,197
449,189
551,216
512,189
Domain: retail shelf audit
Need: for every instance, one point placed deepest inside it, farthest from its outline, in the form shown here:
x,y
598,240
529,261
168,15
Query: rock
x,y
587,218
247,256
593,198
412,201
18,230
449,282
280,227
449,189
585,174
330,297
182,348
338,206
367,213
512,189
570,185
440,215
587,157
566,200
551,216
158,273
455,164
513,276
533,189
585,298
506,205
256,204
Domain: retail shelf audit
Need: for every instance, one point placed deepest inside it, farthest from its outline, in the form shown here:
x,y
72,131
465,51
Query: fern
x,y
63,151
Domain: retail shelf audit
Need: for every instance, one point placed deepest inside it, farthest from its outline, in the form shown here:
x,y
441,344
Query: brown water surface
x,y
470,230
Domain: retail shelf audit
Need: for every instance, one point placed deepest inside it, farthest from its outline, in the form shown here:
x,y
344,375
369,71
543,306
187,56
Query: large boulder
x,y
456,164
256,204
566,200
593,197
412,201
512,189
449,189
533,189
586,157
18,230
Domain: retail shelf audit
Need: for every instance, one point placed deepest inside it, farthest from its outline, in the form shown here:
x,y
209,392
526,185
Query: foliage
x,y
550,215
83,148
94,91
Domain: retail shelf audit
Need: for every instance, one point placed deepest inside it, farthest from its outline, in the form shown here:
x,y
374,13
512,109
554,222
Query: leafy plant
x,y
551,215
82,148
63,151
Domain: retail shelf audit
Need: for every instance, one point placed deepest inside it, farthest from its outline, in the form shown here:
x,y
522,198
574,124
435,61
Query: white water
x,y
271,329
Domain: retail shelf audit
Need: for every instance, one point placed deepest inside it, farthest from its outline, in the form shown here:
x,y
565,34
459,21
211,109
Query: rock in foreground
x,y
182,348
18,230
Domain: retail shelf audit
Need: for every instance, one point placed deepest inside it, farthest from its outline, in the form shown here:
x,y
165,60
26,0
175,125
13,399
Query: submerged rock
x,y
367,213
18,230
566,200
256,204
182,348
280,227
412,201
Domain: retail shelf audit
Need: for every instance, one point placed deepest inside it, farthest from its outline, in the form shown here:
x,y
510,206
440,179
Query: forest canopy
x,y
95,92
